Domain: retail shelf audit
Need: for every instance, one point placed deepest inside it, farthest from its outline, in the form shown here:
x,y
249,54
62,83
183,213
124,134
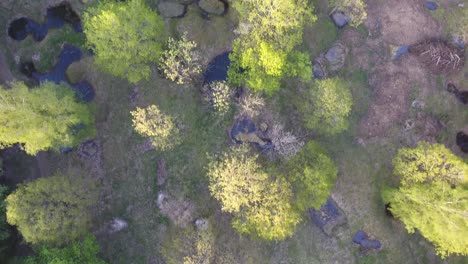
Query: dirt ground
x,y
392,23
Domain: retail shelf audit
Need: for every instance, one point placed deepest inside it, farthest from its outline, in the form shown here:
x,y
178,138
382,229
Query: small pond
x,y
218,68
68,55
57,17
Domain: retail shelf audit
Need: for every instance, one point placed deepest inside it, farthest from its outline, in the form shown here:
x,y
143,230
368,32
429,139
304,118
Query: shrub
x,y
160,128
180,62
219,96
326,106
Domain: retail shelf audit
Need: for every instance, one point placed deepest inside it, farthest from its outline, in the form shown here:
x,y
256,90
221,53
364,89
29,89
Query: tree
x,y
260,206
4,228
78,252
427,163
180,62
264,52
431,197
52,210
43,118
354,9
312,174
126,37
326,106
160,128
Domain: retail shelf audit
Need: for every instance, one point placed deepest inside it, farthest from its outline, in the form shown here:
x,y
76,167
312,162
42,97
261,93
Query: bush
x,y
219,96
78,252
312,174
160,128
180,62
326,106
126,37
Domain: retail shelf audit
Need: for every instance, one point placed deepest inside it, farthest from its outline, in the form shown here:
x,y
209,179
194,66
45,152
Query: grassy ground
x,y
128,175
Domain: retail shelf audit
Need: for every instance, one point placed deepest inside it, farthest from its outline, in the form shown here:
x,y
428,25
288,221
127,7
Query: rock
x,y
458,42
402,50
417,104
89,149
263,127
171,9
365,242
319,67
329,217
430,5
214,7
201,224
336,57
340,19
117,225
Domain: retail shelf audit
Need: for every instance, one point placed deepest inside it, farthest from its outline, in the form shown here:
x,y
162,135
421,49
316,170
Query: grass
x,y
128,176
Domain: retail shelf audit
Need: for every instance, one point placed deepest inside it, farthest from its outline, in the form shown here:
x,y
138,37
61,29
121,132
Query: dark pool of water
x,y
69,54
57,17
218,68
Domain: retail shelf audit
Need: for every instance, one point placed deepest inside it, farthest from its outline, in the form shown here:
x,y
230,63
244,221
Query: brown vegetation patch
x,y
439,56
401,21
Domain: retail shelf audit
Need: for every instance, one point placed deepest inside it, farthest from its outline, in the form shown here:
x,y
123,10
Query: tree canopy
x,y
261,206
47,117
52,210
264,53
126,37
432,196
326,106
4,228
312,174
78,252
160,128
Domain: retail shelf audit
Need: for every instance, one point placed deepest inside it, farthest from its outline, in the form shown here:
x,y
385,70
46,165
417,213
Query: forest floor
x,y
383,91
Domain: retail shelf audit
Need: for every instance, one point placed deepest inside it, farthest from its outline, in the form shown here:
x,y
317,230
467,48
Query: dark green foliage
x,y
78,252
52,210
312,175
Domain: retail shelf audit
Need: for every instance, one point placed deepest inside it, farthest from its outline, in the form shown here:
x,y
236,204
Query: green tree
x,y
4,228
429,162
265,52
52,210
160,128
260,206
312,174
42,118
180,62
126,37
354,9
78,252
436,204
326,106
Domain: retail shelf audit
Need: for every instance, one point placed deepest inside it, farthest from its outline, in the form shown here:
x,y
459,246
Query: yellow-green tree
x,y
180,62
432,196
126,37
326,106
264,53
261,206
160,128
52,210
47,117
312,174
